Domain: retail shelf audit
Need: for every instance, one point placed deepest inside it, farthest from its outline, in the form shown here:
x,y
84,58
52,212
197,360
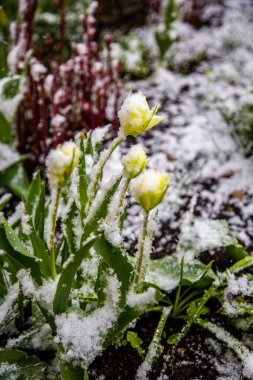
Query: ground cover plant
x,y
126,249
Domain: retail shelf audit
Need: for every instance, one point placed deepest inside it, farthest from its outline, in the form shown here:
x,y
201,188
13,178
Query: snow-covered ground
x,y
194,143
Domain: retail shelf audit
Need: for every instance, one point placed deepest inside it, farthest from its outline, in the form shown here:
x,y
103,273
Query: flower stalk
x,y
54,207
140,265
98,171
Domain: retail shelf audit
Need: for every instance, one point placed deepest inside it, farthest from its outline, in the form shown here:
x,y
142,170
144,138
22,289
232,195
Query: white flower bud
x,y
134,162
150,188
135,116
61,162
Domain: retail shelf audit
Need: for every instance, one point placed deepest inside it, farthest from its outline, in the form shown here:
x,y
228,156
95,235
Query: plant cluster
x,y
166,35
81,93
240,117
135,56
68,285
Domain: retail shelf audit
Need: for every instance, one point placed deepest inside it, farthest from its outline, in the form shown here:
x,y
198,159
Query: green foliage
x,y
241,121
136,342
27,367
50,284
5,130
11,88
165,36
165,274
134,55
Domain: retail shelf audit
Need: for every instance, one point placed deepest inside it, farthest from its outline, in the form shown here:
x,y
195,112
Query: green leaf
x,y
69,372
3,285
33,193
12,174
242,264
83,177
236,251
136,342
5,130
12,356
14,240
28,367
164,41
117,259
165,273
41,252
127,316
19,183
39,221
101,282
16,251
89,146
102,210
170,13
4,200
198,274
70,225
172,339
11,88
48,317
60,303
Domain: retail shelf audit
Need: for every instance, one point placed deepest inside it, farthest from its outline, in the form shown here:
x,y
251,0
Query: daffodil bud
x,y
61,162
150,189
135,116
134,162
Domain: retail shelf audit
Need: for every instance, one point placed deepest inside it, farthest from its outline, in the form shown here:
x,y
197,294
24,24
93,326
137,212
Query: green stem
x,y
185,302
139,266
181,335
117,213
55,205
155,347
68,372
123,192
100,167
179,288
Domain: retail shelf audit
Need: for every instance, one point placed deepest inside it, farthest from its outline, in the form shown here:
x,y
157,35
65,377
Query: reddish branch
x,y
82,93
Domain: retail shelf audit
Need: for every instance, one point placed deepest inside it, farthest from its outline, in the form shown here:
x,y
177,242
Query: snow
x,y
99,134
9,371
25,220
100,197
239,286
141,300
195,143
58,120
38,338
248,366
43,294
13,58
38,70
7,305
8,156
81,335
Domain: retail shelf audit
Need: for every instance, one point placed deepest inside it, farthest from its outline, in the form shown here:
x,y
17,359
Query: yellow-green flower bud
x,y
150,189
135,116
61,162
134,162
